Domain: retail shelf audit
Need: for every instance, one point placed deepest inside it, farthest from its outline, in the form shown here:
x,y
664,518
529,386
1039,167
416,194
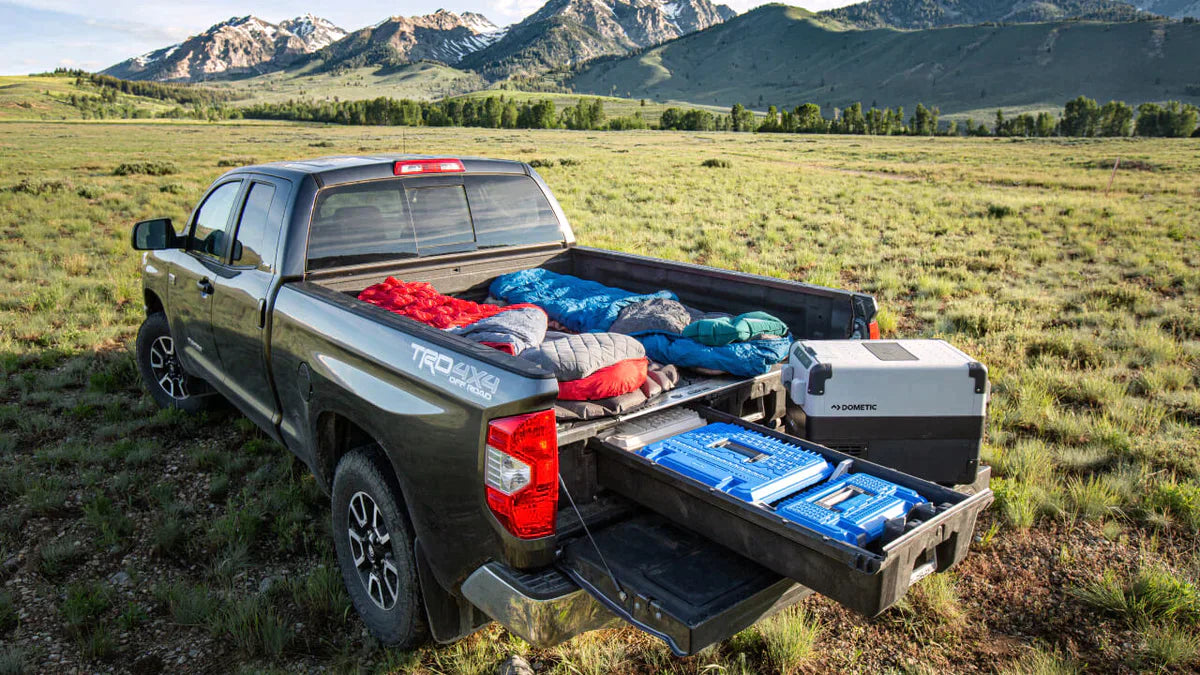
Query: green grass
x,y
790,638
1039,661
1152,595
1082,305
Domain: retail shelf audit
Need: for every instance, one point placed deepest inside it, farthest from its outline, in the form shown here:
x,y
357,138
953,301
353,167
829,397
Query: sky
x,y
41,35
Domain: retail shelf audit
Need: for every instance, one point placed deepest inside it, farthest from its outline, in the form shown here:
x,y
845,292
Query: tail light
x,y
521,473
416,166
873,330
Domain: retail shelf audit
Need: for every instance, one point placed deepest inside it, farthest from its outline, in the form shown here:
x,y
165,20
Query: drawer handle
x,y
922,571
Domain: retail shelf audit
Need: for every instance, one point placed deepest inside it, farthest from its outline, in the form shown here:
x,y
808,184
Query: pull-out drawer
x,y
866,579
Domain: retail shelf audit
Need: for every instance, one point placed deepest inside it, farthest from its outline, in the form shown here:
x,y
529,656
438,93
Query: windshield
x,y
379,220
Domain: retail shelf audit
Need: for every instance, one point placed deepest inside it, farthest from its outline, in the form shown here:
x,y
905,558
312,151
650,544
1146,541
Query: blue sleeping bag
x,y
744,359
581,305
590,307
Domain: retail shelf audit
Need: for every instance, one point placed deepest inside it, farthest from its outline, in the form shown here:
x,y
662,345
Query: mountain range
x,y
797,56
238,46
560,34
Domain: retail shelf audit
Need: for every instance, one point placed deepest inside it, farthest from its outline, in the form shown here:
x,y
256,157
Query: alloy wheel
x,y
167,369
370,545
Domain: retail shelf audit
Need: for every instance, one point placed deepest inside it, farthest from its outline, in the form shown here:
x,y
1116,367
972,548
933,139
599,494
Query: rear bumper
x,y
544,608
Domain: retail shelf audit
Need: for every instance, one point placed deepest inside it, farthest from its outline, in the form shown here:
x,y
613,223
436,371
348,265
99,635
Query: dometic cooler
x,y
918,406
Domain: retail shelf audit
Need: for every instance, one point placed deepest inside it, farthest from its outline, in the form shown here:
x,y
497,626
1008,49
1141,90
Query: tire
x,y
378,565
162,373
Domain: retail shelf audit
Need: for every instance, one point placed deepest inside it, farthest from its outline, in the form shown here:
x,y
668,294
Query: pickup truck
x,y
255,300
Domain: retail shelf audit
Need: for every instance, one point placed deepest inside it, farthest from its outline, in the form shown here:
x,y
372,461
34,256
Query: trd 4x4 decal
x,y
462,375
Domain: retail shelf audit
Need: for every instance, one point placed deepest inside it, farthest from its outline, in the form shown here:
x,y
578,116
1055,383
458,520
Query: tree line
x,y
1080,117
493,112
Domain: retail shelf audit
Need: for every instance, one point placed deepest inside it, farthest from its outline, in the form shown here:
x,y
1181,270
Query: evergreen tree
x,y
1081,117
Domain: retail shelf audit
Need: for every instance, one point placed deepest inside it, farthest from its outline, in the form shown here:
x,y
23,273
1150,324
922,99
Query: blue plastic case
x,y
744,464
853,508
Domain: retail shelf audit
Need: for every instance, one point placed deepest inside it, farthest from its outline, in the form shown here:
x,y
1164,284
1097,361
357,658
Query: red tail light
x,y
413,167
873,330
521,473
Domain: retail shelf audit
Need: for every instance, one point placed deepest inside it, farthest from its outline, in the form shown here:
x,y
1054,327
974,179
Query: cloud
x,y
510,11
141,31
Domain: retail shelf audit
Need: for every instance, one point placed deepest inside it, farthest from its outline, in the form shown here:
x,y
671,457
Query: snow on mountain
x,y
238,45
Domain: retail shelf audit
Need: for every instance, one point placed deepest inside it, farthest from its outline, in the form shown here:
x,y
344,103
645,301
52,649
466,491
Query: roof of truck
x,y
351,168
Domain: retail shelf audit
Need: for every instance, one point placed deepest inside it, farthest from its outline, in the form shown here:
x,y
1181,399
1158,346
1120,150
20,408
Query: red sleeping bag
x,y
418,300
620,378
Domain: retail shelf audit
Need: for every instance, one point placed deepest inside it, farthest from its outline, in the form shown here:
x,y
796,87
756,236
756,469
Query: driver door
x,y
190,283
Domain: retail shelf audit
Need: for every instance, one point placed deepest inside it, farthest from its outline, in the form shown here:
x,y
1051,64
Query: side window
x,y
358,223
210,232
440,216
253,225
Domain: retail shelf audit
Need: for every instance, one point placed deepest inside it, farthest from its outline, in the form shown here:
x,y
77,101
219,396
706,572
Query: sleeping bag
x,y
418,300
580,305
744,359
574,357
621,377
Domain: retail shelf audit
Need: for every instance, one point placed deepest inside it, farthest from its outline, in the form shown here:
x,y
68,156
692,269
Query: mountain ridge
x,y
560,33
441,36
236,46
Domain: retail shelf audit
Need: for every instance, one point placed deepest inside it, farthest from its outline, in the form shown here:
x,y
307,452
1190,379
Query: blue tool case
x,y
854,508
739,462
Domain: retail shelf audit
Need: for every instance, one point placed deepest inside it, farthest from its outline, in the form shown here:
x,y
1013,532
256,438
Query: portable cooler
x,y
918,406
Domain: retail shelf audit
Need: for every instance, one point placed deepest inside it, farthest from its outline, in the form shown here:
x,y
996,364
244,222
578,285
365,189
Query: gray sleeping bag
x,y
574,357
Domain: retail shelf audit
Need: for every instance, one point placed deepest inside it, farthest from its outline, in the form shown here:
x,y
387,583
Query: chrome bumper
x,y
540,621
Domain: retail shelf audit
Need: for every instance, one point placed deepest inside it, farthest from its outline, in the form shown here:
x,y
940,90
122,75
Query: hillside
x,y
787,56
238,46
568,32
425,80
935,13
45,97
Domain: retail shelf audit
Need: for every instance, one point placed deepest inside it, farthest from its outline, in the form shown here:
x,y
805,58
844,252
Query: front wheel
x,y
163,374
374,544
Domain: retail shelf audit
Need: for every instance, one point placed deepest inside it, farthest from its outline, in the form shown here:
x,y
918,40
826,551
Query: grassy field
x,y
132,539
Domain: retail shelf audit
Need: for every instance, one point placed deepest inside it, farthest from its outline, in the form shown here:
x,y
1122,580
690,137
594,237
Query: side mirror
x,y
154,235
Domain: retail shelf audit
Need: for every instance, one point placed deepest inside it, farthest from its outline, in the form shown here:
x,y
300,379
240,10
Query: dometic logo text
x,y
871,407
463,375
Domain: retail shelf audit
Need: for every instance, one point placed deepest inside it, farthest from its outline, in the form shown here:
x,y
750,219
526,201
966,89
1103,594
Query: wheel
x,y
374,544
169,384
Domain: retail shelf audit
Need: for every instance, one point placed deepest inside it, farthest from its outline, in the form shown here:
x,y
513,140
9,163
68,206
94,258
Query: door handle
x,y
205,286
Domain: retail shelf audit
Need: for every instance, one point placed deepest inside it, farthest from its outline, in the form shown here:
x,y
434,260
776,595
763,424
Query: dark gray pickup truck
x,y
255,300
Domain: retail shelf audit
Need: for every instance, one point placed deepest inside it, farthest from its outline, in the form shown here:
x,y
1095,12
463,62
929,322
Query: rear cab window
x,y
409,217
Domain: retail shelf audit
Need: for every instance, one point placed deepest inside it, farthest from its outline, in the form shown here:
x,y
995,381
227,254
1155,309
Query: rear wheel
x,y
162,372
374,544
